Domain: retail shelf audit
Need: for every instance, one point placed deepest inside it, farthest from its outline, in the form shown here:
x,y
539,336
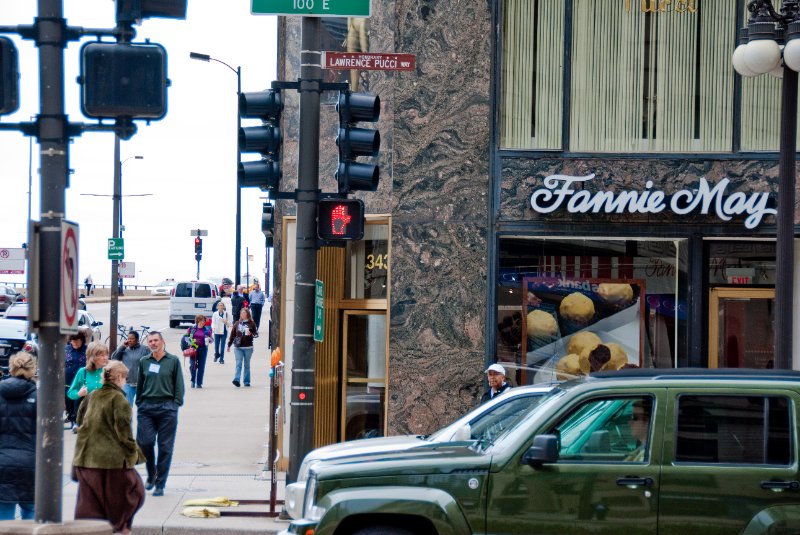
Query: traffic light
x,y
133,11
340,219
268,223
265,139
123,80
9,70
355,142
198,248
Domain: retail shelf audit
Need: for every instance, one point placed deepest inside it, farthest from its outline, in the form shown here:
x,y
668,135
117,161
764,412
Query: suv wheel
x,y
173,324
383,530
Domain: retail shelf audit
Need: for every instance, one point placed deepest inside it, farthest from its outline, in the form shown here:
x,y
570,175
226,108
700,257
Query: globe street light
x,y
238,71
771,35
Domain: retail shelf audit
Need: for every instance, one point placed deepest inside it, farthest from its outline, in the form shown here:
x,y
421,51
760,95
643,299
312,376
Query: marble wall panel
x,y
437,324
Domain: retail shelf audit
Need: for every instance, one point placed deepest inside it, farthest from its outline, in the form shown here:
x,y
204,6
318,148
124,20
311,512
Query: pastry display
x,y
577,307
583,341
541,324
571,366
618,357
615,293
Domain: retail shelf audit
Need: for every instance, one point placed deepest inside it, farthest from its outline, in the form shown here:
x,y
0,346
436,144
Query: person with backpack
x,y
198,336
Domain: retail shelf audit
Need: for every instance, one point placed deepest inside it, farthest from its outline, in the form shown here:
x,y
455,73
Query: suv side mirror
x,y
462,434
544,450
97,324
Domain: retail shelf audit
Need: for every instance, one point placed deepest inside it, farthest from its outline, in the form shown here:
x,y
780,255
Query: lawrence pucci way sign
x,y
312,8
368,61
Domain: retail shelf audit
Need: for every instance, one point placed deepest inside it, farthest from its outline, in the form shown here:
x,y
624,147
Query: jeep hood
x,y
428,458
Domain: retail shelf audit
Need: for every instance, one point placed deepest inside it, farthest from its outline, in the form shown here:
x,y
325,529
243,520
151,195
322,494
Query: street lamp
x,y
238,71
759,52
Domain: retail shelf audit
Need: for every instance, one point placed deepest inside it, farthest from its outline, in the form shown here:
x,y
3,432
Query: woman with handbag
x,y
109,487
89,378
198,336
242,334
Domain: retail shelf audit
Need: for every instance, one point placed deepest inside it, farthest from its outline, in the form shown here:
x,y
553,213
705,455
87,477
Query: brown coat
x,y
238,339
105,439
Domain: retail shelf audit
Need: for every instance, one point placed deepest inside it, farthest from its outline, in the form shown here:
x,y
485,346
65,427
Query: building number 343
x,y
379,261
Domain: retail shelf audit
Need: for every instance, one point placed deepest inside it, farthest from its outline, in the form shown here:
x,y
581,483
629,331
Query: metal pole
x,y
784,254
238,187
302,397
54,179
116,201
247,267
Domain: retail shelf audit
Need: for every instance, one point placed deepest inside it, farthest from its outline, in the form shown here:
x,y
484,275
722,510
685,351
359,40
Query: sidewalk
x,y
221,449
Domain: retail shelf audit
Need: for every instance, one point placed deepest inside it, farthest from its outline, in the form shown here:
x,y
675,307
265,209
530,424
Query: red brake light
x,y
172,292
213,293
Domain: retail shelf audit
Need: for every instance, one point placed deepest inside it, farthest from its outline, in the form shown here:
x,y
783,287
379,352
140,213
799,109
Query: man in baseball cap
x,y
497,382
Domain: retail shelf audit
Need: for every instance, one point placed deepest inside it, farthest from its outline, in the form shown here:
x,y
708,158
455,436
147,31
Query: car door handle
x,y
629,481
779,486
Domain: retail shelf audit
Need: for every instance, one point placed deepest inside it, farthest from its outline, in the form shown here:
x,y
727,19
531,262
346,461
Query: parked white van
x,y
190,298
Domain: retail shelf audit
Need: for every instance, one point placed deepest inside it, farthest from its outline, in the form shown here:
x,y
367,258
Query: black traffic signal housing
x,y
123,80
9,70
268,223
354,142
265,139
198,248
340,219
132,11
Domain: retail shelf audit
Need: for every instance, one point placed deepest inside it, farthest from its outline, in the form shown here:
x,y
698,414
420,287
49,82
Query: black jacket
x,y
17,440
236,305
488,395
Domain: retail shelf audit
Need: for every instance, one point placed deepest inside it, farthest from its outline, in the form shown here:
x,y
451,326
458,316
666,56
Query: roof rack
x,y
693,373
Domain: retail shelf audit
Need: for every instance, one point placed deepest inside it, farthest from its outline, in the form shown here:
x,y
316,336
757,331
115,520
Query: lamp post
x,y
238,71
117,218
759,52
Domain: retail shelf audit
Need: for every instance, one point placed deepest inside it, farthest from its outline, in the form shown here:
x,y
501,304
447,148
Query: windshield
x,y
491,421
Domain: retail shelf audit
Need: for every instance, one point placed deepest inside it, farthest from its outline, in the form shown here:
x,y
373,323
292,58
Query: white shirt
x,y
218,323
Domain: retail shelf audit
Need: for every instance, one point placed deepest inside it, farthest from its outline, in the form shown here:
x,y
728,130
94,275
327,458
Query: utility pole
x,y
302,397
116,201
54,175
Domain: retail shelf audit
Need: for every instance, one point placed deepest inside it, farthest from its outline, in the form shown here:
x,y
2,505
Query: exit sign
x,y
312,8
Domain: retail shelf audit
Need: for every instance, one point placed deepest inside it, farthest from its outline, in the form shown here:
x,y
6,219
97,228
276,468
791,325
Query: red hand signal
x,y
339,220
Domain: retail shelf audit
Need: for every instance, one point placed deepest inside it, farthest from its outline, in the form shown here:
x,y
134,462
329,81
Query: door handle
x,y
780,486
633,482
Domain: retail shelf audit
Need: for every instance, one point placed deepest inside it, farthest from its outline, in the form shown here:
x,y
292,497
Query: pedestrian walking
x,y
238,301
109,487
130,353
257,301
159,394
89,378
88,284
497,382
199,336
220,322
75,359
242,334
18,438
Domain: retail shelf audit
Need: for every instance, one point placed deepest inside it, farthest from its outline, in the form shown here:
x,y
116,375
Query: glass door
x,y
740,328
364,373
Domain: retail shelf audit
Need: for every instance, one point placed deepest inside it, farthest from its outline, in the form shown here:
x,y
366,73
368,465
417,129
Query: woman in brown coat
x,y
109,487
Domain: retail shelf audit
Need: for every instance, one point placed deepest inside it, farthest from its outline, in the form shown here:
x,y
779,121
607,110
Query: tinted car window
x,y
202,290
733,430
489,425
183,290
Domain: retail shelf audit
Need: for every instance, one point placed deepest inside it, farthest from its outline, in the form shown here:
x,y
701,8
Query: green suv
x,y
672,452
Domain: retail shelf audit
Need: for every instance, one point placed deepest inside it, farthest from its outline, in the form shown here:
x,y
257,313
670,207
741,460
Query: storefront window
x,y
646,76
559,299
368,264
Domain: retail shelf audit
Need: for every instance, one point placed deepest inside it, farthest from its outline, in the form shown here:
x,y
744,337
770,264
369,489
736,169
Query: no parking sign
x,y
69,278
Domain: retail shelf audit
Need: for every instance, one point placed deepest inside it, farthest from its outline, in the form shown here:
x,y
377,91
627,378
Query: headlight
x,y
310,509
302,474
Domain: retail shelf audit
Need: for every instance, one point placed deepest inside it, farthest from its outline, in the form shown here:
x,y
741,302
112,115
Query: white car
x,y
14,336
190,298
163,288
19,311
481,423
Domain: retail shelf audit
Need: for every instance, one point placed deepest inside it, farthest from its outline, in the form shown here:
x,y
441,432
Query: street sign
x,y
69,278
116,248
198,232
312,8
12,261
319,311
127,270
366,61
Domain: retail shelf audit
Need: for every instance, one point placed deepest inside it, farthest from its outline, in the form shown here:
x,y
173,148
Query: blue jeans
x,y
197,366
130,393
219,345
8,511
242,354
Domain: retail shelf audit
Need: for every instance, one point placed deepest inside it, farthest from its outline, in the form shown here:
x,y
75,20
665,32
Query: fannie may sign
x,y
558,193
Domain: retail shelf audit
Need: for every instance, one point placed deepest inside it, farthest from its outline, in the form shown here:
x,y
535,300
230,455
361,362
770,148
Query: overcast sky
x,y
189,163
